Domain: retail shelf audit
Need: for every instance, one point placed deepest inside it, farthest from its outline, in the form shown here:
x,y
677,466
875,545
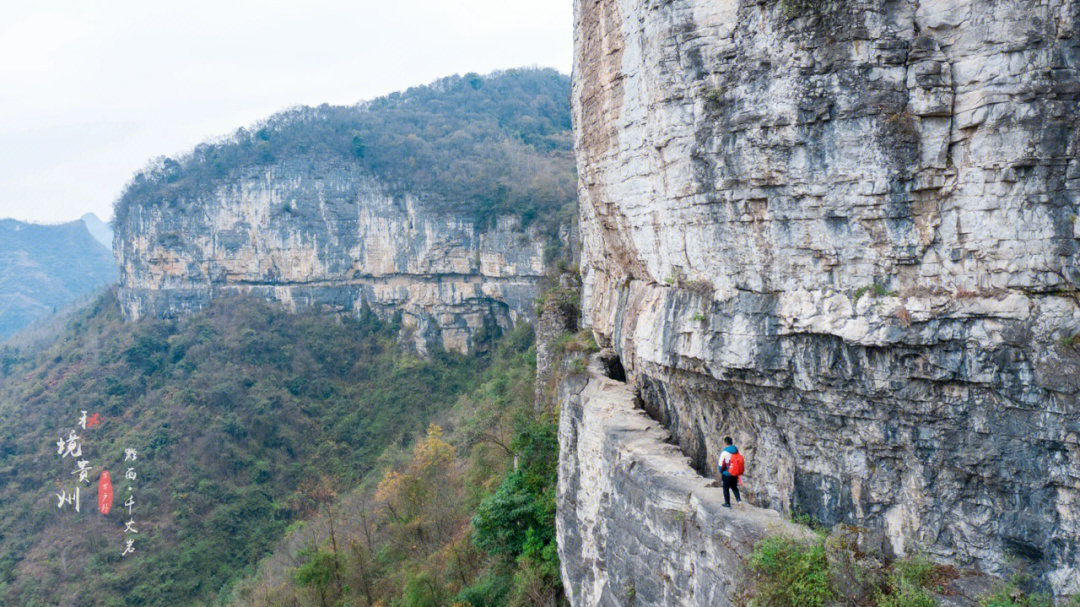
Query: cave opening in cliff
x,y
612,366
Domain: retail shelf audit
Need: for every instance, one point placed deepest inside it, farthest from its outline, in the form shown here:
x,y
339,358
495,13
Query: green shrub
x,y
502,522
423,590
917,570
907,585
319,572
518,520
789,573
1010,596
875,290
490,591
675,277
808,520
906,595
882,291
580,342
793,9
578,366
564,297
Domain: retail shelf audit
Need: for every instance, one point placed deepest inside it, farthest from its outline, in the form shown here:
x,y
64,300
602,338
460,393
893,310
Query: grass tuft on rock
x,y
836,569
786,572
907,585
1010,595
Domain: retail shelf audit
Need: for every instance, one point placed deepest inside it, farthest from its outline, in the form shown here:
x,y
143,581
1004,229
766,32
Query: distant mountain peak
x,y
100,230
44,268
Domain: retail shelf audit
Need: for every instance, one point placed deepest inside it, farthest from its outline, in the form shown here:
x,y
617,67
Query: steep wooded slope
x,y
240,414
44,268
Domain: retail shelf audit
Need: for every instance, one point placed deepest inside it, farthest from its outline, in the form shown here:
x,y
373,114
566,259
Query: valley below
x,y
492,341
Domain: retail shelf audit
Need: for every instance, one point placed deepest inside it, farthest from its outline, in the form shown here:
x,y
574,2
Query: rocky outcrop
x,y
850,240
559,316
323,234
637,525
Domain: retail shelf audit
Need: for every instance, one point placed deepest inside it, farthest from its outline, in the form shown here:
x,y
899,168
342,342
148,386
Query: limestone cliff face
x,y
321,233
637,525
849,240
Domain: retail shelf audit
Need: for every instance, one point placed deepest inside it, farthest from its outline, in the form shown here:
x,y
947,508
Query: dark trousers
x,y
732,483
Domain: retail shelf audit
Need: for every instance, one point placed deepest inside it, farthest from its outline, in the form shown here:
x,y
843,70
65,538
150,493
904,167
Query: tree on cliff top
x,y
485,145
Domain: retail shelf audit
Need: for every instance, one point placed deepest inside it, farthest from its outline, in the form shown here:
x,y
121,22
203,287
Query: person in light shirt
x,y
731,468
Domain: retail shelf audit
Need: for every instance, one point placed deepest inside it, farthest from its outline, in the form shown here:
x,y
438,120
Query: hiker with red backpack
x,y
731,467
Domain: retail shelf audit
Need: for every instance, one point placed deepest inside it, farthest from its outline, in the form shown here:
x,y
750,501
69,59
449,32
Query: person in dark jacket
x,y
730,481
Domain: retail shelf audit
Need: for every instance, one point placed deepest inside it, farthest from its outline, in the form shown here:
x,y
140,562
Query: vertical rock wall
x,y
323,234
637,525
849,239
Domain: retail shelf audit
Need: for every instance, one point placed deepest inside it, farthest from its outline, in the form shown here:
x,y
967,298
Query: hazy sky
x,y
90,91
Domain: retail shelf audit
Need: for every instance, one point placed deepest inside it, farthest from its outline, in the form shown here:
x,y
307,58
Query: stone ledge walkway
x,y
636,522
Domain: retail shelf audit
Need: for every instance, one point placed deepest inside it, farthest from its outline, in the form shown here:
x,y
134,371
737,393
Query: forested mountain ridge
x,y
433,215
496,144
445,203
44,268
246,419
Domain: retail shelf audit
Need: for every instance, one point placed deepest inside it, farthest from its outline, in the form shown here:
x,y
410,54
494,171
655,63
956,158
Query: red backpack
x,y
736,465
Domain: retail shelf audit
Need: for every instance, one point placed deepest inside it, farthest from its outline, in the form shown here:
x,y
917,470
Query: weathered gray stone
x,y
744,176
966,590
637,525
858,558
323,234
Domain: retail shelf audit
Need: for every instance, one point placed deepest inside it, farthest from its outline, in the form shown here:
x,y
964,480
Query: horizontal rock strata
x,y
847,235
324,235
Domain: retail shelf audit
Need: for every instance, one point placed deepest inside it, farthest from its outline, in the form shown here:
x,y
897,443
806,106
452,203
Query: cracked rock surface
x,y
637,525
322,234
849,239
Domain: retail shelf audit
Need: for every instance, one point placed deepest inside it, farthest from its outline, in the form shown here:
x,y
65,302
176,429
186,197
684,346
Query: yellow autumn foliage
x,y
406,495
